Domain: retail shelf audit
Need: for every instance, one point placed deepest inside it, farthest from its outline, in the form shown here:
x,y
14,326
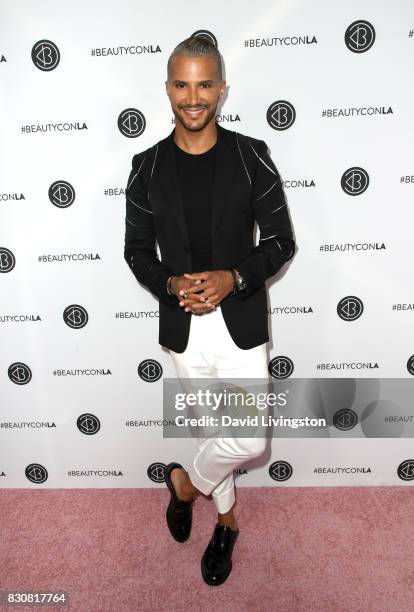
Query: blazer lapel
x,y
223,176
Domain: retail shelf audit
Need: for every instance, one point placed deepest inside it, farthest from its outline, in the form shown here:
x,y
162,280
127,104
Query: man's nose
x,y
193,96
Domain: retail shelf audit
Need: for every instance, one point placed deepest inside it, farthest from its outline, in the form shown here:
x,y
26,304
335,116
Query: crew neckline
x,y
195,155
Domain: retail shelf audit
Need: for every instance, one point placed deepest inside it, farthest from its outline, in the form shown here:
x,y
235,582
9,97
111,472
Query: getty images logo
x,y
45,55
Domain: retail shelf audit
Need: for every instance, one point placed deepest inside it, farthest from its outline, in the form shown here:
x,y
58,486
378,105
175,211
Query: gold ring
x,y
185,295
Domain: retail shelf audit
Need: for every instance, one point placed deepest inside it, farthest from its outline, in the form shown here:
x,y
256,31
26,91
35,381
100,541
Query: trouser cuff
x,y
202,484
224,501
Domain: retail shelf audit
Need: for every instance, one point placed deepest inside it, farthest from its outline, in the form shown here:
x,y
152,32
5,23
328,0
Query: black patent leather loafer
x,y
216,562
179,513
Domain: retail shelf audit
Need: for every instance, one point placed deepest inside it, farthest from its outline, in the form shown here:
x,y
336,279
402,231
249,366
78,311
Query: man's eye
x,y
206,84
179,85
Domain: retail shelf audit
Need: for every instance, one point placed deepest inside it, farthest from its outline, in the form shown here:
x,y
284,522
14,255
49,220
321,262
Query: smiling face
x,y
194,89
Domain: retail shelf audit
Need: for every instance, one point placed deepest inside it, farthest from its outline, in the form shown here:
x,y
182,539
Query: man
x,y
198,193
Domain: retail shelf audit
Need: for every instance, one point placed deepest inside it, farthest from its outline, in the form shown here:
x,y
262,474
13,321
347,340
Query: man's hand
x,y
180,285
205,290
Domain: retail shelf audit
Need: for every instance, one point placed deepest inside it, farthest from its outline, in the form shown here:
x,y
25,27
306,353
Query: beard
x,y
195,126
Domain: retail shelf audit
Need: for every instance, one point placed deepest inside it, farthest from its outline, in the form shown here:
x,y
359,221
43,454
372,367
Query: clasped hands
x,y
203,290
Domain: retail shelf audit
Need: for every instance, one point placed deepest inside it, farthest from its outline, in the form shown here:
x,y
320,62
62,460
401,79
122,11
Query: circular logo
x,y
61,194
281,115
88,424
36,473
280,367
345,419
206,34
280,470
45,55
19,373
405,470
7,260
410,365
131,123
360,36
156,472
350,308
355,181
150,370
75,316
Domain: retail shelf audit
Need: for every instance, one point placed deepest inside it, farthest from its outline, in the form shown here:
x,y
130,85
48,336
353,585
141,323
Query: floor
x,y
340,549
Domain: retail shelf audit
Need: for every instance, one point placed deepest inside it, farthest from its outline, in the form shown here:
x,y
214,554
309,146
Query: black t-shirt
x,y
195,173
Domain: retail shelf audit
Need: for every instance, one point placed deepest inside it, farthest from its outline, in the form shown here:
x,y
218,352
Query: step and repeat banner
x,y
328,87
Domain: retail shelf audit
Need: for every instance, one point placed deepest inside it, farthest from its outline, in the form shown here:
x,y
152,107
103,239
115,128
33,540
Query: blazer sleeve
x,y
139,248
277,244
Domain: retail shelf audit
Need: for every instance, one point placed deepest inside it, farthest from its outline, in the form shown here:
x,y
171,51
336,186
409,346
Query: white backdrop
x,y
350,92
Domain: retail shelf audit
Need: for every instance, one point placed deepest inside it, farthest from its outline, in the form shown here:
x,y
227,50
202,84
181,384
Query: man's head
x,y
194,82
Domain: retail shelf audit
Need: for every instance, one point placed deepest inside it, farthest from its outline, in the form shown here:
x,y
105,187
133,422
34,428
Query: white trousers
x,y
212,353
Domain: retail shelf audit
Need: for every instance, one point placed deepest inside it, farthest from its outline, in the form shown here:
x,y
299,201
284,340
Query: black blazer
x,y
247,188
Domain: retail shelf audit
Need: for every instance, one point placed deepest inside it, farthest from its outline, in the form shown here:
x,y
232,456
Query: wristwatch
x,y
239,282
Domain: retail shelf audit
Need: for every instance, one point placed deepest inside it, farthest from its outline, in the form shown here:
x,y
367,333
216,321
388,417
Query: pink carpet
x,y
336,549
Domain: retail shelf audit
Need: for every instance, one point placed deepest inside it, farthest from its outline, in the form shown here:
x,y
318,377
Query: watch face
x,y
241,283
